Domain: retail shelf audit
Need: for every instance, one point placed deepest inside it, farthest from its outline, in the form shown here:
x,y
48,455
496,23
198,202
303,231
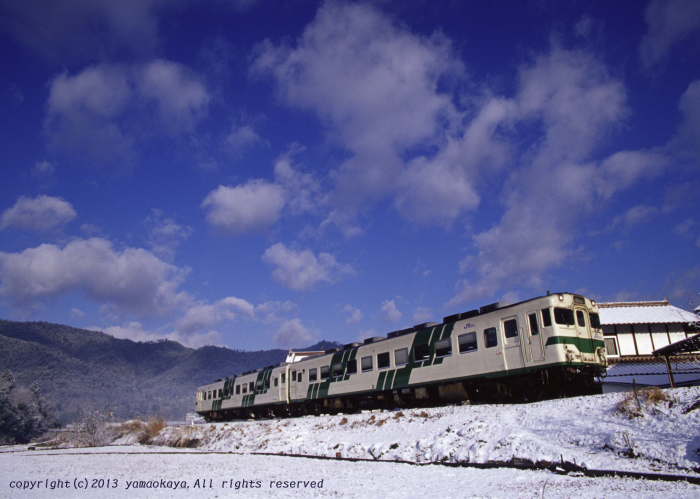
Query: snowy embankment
x,y
661,436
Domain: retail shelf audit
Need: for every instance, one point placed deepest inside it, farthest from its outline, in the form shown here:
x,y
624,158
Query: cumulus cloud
x,y
293,333
573,101
253,206
258,204
41,213
375,86
135,331
689,106
302,270
390,312
205,316
164,234
128,281
669,22
355,315
92,114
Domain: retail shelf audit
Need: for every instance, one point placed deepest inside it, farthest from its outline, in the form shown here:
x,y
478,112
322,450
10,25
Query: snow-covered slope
x,y
591,431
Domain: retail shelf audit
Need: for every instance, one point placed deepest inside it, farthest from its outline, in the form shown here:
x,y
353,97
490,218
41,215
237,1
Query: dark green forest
x,y
77,369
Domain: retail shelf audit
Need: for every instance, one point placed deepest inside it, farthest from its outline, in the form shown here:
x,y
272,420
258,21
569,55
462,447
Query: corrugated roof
x,y
644,313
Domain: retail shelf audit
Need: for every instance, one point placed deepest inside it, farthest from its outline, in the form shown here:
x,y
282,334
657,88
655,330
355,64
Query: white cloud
x,y
41,213
374,85
574,102
258,204
670,22
293,334
355,314
390,312
634,216
181,97
302,270
164,234
204,316
128,281
92,113
422,314
135,331
254,206
76,313
689,106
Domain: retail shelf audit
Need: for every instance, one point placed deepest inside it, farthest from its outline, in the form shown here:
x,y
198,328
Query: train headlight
x,y
561,297
592,303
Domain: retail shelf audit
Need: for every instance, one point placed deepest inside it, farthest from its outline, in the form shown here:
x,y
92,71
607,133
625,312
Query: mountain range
x,y
79,369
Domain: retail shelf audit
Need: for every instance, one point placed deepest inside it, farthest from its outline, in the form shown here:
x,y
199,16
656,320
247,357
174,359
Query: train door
x,y
583,331
512,344
533,346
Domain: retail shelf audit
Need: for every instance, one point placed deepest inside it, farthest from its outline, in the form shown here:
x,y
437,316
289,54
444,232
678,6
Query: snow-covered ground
x,y
665,438
589,431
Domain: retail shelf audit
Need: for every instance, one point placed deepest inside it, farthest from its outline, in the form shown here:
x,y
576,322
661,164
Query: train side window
x,y
238,389
581,318
564,316
294,375
210,395
221,392
251,387
467,342
366,364
338,369
245,387
546,317
352,366
313,374
325,372
276,382
267,384
259,385
421,352
282,376
511,328
491,337
534,327
383,360
299,377
443,347
595,321
401,357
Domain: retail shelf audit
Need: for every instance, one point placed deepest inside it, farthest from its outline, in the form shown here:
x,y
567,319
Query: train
x,y
544,347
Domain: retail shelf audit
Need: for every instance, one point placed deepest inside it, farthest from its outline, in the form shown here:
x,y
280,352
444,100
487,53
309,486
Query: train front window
x,y
325,372
581,318
564,316
595,321
546,317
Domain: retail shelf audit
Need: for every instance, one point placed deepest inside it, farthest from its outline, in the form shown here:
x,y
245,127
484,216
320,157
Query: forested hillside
x,y
78,369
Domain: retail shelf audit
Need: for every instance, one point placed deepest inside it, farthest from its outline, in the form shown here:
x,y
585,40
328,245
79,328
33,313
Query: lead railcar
x,y
547,346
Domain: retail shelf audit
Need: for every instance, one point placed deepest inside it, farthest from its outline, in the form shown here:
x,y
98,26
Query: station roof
x,y
644,312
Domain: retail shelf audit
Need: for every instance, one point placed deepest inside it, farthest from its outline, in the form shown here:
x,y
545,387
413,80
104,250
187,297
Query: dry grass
x,y
344,421
636,402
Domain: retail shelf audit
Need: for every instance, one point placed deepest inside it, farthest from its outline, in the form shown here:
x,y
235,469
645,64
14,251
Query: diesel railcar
x,y
543,347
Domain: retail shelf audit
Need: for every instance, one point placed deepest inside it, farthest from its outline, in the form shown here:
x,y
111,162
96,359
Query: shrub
x,y
636,402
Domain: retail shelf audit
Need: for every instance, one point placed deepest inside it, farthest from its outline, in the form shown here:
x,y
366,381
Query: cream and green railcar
x,y
546,346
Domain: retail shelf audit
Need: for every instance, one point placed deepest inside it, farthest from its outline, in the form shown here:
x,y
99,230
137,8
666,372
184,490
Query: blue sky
x,y
263,174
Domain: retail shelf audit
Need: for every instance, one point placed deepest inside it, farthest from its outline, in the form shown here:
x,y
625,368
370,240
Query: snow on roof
x,y
643,312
